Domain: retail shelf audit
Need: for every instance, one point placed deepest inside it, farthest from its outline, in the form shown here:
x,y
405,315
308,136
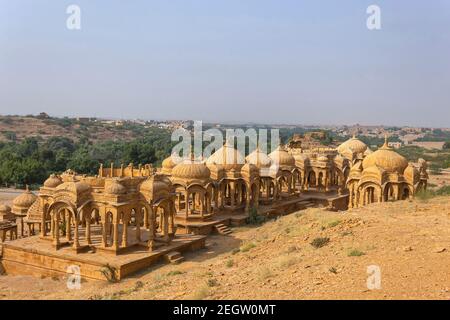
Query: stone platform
x,y
37,257
332,200
206,227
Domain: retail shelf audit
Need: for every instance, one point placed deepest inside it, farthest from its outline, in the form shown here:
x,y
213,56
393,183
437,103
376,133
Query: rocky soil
x,y
409,241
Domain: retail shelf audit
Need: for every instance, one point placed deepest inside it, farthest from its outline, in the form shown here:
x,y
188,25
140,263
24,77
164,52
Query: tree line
x,y
32,160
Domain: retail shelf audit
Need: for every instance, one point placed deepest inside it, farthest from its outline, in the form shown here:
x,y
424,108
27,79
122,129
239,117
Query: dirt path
x,y
408,241
8,195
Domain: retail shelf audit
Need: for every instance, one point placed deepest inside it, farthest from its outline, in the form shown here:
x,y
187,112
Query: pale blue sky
x,y
285,61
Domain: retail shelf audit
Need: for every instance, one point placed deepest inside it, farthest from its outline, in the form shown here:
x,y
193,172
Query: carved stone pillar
x,y
116,236
187,207
68,225
145,218
88,230
43,222
56,241
125,232
76,243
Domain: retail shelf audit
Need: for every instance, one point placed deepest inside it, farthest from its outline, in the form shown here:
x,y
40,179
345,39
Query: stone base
x,y
37,257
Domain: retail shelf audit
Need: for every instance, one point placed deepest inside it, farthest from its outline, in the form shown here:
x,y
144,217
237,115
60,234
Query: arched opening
x,y
369,194
312,179
320,182
389,194
405,193
165,225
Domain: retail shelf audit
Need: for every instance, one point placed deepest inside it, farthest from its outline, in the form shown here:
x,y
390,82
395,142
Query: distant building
x,y
395,145
43,115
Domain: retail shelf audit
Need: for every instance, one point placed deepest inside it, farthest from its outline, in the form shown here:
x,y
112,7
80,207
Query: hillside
x,y
17,128
31,148
409,241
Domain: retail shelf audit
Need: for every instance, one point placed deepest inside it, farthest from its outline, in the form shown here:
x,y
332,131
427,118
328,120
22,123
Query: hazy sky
x,y
278,61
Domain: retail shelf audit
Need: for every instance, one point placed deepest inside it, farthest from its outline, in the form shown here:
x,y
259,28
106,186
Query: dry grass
x,y
287,261
355,253
201,293
264,273
247,246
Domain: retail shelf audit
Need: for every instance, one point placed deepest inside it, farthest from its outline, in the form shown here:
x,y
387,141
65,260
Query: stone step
x,y
174,257
177,260
223,229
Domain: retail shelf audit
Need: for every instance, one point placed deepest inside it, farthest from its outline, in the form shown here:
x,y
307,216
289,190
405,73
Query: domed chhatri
x,y
76,187
22,203
259,158
354,145
6,213
281,157
114,187
5,208
191,170
384,175
167,165
227,157
53,181
387,159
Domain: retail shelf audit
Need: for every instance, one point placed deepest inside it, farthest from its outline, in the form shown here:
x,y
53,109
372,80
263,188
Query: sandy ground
x,y
8,195
440,180
408,240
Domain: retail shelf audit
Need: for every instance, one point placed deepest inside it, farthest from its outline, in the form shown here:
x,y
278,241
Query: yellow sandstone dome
x,y
259,159
53,181
354,144
281,157
167,165
5,208
387,159
191,169
227,157
74,187
25,200
115,187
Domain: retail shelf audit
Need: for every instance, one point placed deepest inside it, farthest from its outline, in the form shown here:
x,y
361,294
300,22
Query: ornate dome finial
x,y
385,145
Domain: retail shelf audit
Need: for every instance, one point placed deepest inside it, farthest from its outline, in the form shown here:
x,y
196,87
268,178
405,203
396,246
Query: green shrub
x,y
443,191
212,282
254,217
247,246
355,253
425,195
229,263
333,223
320,242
